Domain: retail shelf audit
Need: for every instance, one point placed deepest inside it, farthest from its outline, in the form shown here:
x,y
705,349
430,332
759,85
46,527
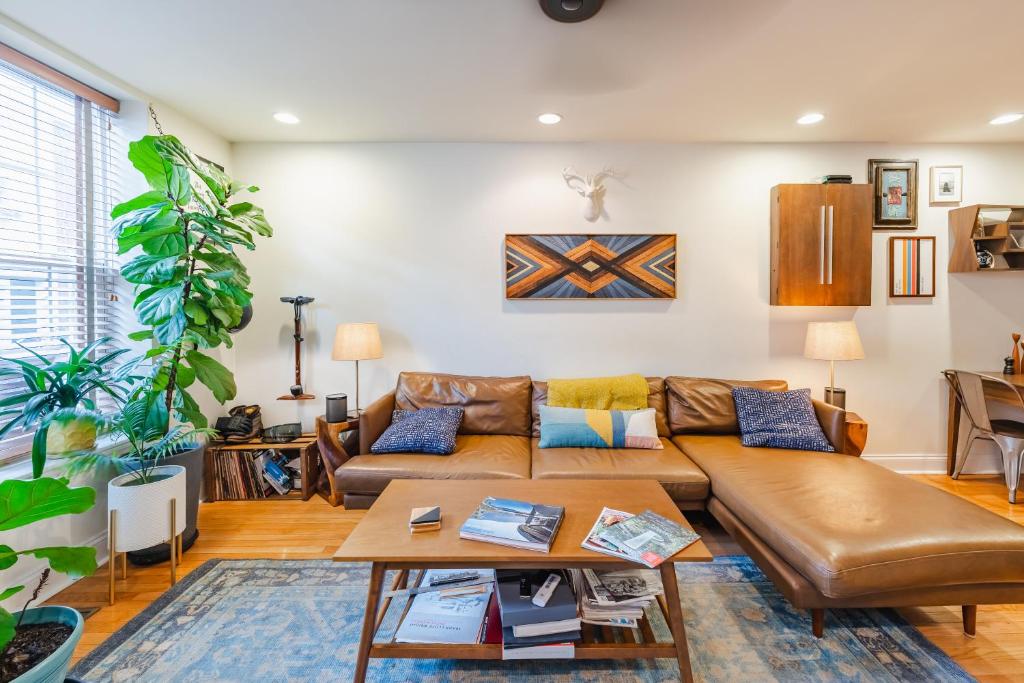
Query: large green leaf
x,y
160,305
147,160
76,562
8,557
251,217
8,592
145,218
25,502
145,199
171,329
215,376
150,270
164,241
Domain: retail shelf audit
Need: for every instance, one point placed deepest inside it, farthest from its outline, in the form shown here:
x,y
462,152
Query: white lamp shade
x,y
356,341
833,341
144,510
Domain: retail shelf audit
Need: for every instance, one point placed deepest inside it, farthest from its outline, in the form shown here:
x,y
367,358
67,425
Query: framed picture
x,y
590,266
911,267
947,184
895,182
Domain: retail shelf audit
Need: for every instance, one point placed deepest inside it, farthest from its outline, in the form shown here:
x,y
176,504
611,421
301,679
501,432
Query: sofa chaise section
x,y
832,530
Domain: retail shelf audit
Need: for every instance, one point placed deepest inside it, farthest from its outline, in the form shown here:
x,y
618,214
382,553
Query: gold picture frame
x,y
895,184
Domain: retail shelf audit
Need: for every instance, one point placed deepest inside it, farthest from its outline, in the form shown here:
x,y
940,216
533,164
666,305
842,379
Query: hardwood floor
x,y
291,529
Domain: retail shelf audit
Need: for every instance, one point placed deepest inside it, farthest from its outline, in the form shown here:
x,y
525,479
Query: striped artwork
x,y
911,266
590,266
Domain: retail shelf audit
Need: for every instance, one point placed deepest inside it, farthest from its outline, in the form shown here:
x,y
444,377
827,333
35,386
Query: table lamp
x,y
832,342
356,341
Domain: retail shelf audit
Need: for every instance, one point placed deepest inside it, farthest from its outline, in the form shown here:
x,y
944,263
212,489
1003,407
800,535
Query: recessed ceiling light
x,y
808,119
549,119
1006,118
285,117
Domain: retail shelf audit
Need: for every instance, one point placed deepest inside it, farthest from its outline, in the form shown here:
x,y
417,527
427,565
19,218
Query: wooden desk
x,y
995,392
382,537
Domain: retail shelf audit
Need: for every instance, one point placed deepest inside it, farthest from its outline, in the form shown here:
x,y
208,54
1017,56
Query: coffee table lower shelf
x,y
598,642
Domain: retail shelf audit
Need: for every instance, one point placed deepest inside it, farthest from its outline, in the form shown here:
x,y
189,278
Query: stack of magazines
x,y
615,598
447,616
647,538
514,523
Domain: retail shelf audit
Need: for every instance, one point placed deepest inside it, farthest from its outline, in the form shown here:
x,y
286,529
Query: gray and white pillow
x,y
779,419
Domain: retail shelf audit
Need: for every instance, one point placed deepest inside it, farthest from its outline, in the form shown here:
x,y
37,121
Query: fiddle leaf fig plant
x,y
191,287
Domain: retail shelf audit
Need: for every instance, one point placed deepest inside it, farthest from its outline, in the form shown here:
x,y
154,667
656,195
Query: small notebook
x,y
425,519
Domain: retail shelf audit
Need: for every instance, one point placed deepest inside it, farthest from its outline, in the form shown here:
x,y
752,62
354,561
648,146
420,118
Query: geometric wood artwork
x,y
590,266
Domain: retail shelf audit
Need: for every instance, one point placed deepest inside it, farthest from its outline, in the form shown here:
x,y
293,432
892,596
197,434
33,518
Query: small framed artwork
x,y
895,182
947,184
911,267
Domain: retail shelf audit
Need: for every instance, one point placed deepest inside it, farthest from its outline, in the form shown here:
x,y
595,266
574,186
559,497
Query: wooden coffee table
x,y
383,538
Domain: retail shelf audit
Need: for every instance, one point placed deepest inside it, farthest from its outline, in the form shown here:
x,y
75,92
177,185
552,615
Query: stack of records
x,y
530,631
615,598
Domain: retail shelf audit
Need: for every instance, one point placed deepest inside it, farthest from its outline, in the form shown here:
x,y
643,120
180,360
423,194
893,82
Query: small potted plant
x,y
58,398
140,493
36,643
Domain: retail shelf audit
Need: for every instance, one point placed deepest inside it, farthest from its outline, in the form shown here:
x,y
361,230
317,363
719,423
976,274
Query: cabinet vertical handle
x,y
831,242
821,245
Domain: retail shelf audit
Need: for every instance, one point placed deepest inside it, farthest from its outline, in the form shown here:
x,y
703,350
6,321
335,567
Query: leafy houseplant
x,y
191,286
23,503
58,401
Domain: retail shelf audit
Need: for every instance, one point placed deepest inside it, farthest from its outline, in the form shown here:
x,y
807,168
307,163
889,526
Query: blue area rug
x,y
299,620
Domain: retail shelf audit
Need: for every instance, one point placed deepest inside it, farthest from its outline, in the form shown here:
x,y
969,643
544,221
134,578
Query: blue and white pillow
x,y
427,430
779,419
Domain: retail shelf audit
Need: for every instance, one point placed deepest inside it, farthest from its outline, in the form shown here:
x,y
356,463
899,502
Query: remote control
x,y
545,592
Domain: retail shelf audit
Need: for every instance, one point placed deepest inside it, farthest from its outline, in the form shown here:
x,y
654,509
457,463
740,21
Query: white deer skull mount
x,y
591,188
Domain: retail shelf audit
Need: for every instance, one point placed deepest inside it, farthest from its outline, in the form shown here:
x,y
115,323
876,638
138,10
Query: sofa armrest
x,y
374,420
846,431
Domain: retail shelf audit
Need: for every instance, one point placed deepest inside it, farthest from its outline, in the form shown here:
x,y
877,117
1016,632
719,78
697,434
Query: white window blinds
x,y
59,168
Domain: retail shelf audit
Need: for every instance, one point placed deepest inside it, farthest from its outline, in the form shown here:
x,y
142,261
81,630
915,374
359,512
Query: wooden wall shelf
x,y
993,226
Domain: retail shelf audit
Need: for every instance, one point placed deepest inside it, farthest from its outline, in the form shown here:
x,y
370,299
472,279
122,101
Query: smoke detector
x,y
571,11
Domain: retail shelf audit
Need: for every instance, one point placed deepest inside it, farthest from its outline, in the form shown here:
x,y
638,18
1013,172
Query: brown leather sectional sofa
x,y
830,530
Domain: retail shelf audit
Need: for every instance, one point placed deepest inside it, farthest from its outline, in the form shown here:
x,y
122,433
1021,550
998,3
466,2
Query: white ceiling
x,y
655,70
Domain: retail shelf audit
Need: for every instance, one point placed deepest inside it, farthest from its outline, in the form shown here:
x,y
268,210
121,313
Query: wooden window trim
x,y
61,80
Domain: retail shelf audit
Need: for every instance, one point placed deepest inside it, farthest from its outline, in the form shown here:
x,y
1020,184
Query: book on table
x,y
530,631
437,617
647,538
514,523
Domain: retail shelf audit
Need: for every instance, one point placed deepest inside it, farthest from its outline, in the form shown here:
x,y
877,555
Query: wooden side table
x,y
309,461
338,441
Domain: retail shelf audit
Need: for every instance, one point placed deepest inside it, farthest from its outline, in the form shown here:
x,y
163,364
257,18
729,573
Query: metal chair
x,y
1007,434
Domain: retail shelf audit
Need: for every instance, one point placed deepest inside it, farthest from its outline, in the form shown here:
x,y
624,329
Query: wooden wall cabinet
x,y
821,245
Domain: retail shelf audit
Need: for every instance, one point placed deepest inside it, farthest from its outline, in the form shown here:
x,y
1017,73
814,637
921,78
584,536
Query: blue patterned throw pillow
x,y
779,419
427,430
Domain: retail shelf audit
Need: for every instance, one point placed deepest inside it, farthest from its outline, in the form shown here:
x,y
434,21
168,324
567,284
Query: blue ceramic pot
x,y
53,668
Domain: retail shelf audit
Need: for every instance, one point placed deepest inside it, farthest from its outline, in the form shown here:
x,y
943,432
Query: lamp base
x,y
836,397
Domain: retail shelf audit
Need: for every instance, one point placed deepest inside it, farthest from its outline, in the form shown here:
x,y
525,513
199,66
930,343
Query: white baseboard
x,y
934,463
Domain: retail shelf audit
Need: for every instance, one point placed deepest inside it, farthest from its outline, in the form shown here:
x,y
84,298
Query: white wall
x,y
410,236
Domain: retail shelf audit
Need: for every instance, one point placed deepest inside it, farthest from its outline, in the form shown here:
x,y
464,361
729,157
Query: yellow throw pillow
x,y
625,392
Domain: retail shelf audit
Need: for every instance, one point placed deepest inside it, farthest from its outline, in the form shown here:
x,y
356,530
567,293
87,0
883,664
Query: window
x,y
60,155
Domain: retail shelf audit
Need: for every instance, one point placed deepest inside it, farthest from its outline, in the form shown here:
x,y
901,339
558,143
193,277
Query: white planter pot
x,y
144,510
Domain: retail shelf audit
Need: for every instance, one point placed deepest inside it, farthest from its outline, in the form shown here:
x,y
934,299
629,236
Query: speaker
x,y
571,11
337,407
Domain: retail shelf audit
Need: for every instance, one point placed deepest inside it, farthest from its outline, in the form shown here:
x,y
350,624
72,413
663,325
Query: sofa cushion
x,y
492,405
851,527
779,419
704,406
475,457
681,479
427,430
655,399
